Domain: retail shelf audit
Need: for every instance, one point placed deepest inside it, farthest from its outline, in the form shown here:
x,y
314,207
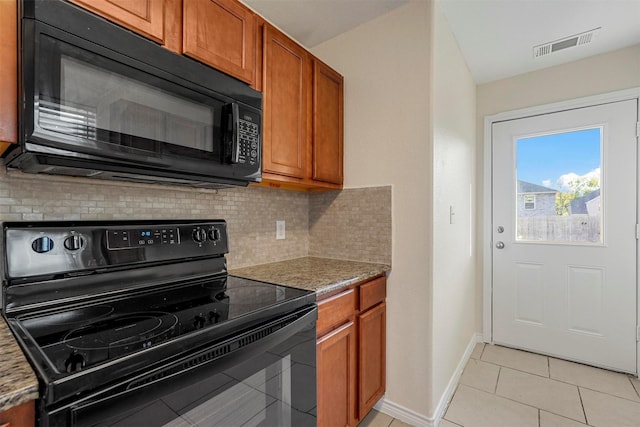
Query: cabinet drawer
x,y
373,293
335,311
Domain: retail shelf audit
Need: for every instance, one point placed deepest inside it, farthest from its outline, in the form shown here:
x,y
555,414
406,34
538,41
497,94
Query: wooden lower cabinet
x,y
351,353
337,377
372,357
19,416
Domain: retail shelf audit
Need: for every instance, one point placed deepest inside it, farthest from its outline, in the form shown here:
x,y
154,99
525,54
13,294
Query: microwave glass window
x,y
98,104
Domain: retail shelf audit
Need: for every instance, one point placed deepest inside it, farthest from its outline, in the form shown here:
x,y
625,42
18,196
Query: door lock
x,y
500,229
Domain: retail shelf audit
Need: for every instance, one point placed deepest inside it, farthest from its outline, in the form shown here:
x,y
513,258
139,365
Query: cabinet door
x,y
19,416
221,33
337,377
372,363
327,124
145,17
286,87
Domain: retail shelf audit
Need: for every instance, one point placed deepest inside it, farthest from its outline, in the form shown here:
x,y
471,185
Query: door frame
x,y
487,225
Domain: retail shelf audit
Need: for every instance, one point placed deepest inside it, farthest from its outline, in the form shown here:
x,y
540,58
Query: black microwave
x,y
97,100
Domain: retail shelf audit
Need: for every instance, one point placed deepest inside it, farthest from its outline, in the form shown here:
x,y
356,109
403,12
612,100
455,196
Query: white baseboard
x,y
403,414
453,382
418,420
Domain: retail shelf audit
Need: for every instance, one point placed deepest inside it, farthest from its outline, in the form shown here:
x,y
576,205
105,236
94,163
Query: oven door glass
x,y
271,382
90,99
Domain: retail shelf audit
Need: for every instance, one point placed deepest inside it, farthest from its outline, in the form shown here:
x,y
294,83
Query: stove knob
x,y
199,321
214,317
199,235
214,234
75,362
42,244
74,242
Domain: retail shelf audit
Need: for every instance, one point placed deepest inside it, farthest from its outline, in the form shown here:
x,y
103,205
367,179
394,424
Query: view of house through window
x,y
529,201
558,187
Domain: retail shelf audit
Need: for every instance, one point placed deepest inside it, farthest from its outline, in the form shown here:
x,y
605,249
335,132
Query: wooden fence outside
x,y
574,228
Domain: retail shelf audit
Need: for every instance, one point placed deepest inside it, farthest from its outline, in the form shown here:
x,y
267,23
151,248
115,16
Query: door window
x,y
559,188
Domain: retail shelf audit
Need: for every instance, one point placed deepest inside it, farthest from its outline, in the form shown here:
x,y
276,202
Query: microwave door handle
x,y
231,114
91,150
150,161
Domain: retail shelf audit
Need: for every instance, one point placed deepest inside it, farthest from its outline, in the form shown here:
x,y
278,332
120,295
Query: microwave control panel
x,y
248,139
241,126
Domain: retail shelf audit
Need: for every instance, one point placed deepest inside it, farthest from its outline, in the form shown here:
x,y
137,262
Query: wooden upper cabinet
x,y
286,86
303,122
328,124
222,34
145,17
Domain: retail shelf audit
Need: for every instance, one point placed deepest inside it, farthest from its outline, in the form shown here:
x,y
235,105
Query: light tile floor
x,y
503,387
506,387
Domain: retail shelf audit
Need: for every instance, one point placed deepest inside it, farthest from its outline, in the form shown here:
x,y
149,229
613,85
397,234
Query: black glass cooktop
x,y
78,338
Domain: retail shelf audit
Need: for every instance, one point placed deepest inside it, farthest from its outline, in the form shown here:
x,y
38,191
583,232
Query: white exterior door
x,y
564,241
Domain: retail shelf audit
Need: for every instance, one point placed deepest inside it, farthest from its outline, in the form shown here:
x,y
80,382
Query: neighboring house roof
x,y
579,205
527,187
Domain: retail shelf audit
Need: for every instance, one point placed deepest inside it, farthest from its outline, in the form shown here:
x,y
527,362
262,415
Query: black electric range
x,y
103,309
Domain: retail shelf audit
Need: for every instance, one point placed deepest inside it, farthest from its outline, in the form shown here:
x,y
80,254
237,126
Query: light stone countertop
x,y
320,275
18,382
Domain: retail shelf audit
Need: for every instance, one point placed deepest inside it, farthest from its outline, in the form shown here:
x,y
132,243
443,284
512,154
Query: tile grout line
x,y
512,368
633,386
548,366
586,420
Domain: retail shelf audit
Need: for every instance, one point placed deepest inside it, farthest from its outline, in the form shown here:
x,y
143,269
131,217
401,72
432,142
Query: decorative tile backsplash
x,y
352,224
251,213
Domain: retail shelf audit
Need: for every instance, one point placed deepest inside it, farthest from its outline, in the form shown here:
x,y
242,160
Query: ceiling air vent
x,y
565,43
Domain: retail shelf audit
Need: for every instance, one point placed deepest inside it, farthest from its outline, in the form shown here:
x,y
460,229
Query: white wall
x,y
386,68
590,76
454,126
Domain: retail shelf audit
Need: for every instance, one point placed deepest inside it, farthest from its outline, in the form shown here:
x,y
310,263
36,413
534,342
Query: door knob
x,y
499,245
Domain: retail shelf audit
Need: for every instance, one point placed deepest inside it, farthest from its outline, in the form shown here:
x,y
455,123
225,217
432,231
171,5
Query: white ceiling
x,y
496,36
312,22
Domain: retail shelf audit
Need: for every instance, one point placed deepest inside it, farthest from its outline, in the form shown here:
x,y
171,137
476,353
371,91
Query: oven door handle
x,y
151,386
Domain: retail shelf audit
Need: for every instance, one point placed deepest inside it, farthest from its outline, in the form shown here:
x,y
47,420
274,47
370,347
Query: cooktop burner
x,y
120,332
77,338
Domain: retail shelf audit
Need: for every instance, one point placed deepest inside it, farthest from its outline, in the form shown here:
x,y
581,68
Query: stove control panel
x,y
131,238
46,248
